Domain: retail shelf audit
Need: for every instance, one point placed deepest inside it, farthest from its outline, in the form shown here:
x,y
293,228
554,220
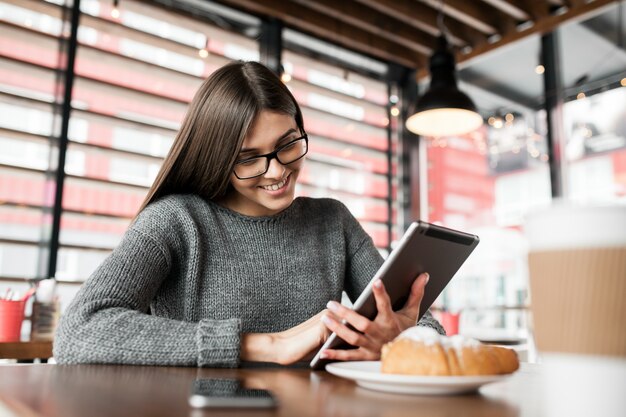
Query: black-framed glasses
x,y
259,164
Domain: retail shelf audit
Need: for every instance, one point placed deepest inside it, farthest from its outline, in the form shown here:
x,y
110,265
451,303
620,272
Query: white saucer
x,y
368,375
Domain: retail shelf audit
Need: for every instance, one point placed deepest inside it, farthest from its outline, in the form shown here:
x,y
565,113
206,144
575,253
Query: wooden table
x,y
103,390
26,351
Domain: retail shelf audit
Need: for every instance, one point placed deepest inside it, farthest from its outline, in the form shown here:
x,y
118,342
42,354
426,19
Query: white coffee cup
x,y
577,265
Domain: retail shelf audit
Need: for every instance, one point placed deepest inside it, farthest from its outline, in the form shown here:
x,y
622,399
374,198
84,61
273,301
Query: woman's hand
x,y
302,341
372,334
286,347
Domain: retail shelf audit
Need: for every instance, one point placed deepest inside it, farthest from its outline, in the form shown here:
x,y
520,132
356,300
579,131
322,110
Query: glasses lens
x,y
292,151
251,167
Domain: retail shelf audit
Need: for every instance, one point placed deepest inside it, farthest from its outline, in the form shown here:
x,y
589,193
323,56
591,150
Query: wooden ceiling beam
x,y
374,22
425,18
516,9
479,15
542,26
538,9
575,3
535,9
556,3
332,30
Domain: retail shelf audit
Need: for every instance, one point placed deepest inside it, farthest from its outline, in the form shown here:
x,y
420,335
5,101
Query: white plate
x,y
368,375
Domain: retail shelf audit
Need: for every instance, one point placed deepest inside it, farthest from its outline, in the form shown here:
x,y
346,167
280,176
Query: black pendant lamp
x,y
443,110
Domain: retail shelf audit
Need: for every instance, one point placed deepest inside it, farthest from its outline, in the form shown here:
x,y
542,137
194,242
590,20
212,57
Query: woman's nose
x,y
275,169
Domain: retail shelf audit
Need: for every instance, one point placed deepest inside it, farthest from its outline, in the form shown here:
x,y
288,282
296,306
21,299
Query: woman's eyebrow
x,y
283,136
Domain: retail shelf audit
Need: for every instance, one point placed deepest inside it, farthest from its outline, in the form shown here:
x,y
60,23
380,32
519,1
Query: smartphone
x,y
228,393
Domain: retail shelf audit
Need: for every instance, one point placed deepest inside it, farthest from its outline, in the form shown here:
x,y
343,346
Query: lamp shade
x,y
443,110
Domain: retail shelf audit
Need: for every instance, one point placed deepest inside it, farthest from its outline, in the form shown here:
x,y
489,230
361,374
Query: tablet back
x,y
425,247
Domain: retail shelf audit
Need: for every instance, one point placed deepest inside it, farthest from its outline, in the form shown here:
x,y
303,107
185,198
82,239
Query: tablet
x,y
425,247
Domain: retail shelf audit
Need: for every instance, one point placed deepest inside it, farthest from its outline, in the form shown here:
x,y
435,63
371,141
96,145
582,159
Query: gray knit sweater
x,y
208,274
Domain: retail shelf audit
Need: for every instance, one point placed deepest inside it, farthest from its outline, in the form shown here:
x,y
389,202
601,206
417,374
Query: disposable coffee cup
x,y
577,267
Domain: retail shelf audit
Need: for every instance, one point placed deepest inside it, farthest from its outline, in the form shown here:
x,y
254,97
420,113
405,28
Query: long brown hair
x,y
204,152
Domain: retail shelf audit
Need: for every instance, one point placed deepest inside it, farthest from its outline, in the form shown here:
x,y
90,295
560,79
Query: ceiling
x,y
497,42
405,31
592,57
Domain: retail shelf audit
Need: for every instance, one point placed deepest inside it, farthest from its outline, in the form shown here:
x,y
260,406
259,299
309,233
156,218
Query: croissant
x,y
422,351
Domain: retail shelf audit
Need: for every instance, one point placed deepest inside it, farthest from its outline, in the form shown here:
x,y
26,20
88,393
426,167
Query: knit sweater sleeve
x,y
364,262
107,322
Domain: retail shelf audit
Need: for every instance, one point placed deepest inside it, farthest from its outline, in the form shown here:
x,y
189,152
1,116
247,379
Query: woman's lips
x,y
280,190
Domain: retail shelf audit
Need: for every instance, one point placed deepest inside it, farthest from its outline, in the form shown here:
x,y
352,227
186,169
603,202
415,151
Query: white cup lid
x,y
569,226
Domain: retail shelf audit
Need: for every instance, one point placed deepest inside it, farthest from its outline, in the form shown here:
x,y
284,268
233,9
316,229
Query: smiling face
x,y
272,192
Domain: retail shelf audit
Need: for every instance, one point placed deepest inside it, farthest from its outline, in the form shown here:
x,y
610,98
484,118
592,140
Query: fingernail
x,y
427,278
378,284
323,355
332,306
326,319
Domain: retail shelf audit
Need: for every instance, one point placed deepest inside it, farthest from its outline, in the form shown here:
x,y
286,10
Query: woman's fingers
x,y
352,337
412,306
341,313
383,302
370,335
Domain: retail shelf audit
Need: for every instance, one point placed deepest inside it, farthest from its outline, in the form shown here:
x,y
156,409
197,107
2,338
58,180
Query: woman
x,y
229,265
